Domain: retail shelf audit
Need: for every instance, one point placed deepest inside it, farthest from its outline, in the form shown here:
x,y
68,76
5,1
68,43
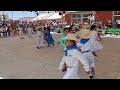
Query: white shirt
x,y
40,33
29,28
20,28
1,29
73,58
45,24
109,21
94,35
85,47
118,21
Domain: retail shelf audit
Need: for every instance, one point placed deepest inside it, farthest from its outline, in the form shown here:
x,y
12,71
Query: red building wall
x,y
68,19
103,15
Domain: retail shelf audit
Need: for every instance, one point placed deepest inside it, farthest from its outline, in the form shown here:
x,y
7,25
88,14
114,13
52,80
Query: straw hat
x,y
71,37
88,26
85,26
38,27
85,33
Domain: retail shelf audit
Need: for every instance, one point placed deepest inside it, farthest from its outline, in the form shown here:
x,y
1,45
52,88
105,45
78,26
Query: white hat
x,y
85,33
71,37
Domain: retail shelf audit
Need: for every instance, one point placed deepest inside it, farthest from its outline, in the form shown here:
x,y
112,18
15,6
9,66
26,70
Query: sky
x,y
18,14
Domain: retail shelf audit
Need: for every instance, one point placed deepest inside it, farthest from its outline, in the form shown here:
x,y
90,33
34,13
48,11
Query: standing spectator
x,y
12,30
30,29
4,31
110,23
1,34
118,23
114,24
21,31
100,24
8,30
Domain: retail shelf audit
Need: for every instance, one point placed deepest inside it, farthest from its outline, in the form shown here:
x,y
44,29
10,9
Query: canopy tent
x,y
55,16
41,17
49,16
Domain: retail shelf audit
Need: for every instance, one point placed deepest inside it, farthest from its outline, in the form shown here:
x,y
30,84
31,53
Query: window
x,y
85,15
116,17
73,20
85,19
73,15
116,12
78,20
78,15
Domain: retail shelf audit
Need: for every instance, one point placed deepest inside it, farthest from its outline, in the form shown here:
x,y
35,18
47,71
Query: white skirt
x,y
96,45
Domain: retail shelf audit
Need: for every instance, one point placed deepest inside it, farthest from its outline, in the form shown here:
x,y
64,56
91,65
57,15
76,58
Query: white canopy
x,y
41,17
55,16
49,16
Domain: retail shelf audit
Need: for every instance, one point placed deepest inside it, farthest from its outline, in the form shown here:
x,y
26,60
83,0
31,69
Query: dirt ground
x,y
20,59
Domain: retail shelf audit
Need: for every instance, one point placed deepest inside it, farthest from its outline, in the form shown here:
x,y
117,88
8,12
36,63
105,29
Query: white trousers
x,y
40,41
30,33
21,33
1,34
90,58
72,73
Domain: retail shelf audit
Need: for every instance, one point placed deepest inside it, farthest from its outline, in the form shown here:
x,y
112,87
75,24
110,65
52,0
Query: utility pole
x,y
12,15
62,13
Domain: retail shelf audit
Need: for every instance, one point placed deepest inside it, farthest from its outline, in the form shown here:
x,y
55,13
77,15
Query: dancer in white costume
x,y
85,44
72,57
30,29
21,32
40,37
94,37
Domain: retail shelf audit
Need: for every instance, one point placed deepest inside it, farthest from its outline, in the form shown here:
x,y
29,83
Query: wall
x,y
103,15
68,19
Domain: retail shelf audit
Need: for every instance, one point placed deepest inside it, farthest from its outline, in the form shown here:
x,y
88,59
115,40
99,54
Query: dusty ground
x,y
20,59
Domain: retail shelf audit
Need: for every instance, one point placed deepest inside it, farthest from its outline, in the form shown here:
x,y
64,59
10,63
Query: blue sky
x,y
18,14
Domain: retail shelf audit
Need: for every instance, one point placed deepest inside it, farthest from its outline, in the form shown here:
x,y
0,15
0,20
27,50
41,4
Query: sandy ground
x,y
20,59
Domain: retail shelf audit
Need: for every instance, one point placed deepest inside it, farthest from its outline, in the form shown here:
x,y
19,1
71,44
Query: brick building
x,y
83,15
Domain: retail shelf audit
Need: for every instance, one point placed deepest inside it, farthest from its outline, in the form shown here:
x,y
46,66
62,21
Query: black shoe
x,y
48,46
22,38
53,44
38,48
94,54
65,69
91,77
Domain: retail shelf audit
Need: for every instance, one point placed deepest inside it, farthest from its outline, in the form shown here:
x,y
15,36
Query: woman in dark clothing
x,y
8,30
45,35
